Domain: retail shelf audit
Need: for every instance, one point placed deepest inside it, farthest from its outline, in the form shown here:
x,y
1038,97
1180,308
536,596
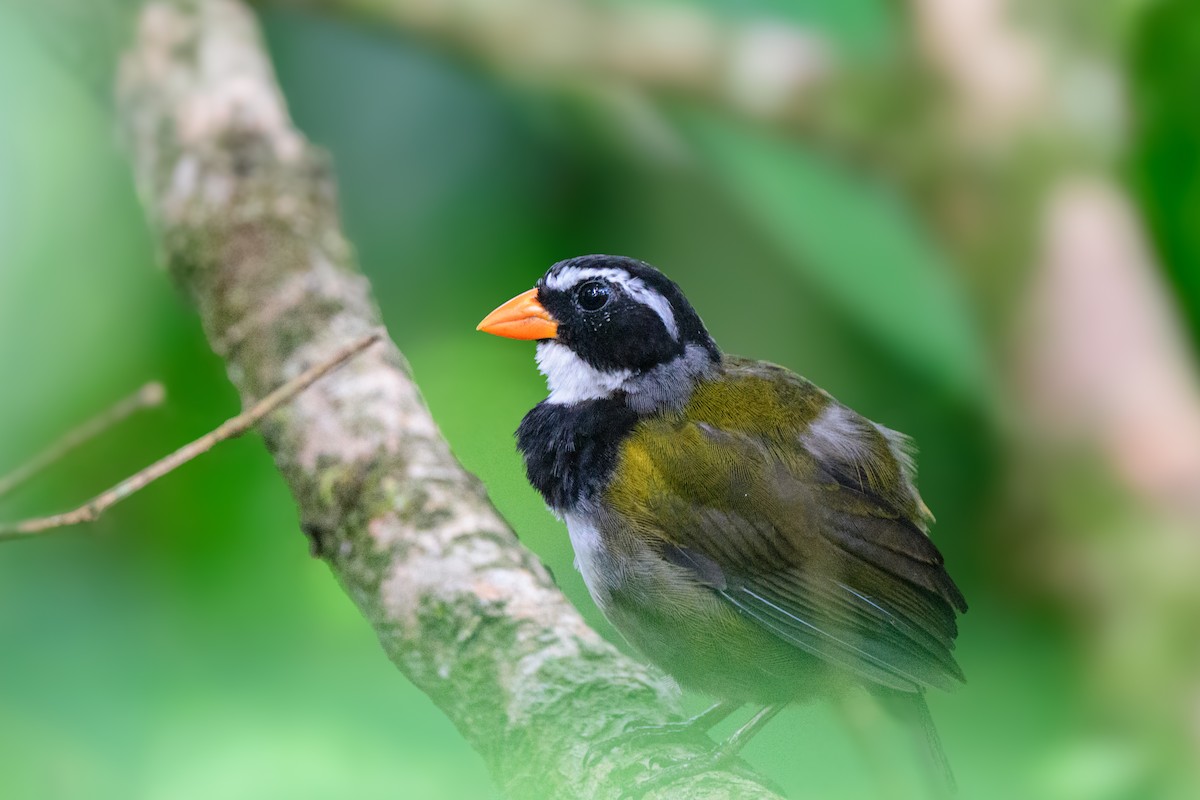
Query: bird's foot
x,y
685,731
718,758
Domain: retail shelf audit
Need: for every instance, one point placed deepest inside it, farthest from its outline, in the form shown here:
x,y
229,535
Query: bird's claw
x,y
672,773
642,735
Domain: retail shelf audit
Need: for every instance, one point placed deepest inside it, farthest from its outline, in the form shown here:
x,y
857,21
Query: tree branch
x,y
149,396
230,429
245,214
765,71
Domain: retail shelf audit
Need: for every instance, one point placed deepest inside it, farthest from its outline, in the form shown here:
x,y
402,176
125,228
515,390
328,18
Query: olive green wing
x,y
817,538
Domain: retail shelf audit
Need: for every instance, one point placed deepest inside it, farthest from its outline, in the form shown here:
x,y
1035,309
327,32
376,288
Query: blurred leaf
x,y
1166,161
854,244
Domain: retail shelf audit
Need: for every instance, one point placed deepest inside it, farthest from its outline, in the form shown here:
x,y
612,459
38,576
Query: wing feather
x,y
819,537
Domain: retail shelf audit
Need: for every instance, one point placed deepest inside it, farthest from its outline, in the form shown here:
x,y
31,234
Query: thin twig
x,y
149,396
229,429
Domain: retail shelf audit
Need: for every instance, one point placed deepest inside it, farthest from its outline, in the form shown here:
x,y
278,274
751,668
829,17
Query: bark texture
x,y
245,214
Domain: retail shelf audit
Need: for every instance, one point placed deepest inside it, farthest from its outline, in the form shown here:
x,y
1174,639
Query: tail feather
x,y
933,746
911,708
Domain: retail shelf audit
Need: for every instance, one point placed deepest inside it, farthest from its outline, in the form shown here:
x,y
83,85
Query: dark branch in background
x,y
149,396
629,56
964,115
764,70
245,215
230,429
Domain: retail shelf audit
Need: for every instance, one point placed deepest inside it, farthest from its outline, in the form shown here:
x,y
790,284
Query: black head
x,y
620,314
610,327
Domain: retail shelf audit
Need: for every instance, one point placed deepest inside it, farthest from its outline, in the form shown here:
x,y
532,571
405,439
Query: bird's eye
x,y
593,295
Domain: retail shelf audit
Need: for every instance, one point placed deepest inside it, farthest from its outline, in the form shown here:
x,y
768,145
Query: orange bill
x,y
523,317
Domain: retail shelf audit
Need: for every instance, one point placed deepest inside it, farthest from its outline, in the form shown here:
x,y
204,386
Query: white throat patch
x,y
571,379
634,287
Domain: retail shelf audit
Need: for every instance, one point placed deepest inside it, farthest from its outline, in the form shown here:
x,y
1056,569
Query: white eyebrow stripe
x,y
634,287
567,277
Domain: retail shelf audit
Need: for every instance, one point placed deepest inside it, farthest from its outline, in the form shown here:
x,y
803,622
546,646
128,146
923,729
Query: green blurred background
x,y
186,646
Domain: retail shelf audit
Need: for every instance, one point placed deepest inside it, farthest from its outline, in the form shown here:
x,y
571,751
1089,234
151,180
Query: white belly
x,y
595,562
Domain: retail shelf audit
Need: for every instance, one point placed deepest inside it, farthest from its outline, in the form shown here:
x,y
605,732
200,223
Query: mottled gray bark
x,y
245,214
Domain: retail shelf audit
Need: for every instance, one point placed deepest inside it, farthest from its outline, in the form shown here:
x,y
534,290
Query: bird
x,y
753,537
